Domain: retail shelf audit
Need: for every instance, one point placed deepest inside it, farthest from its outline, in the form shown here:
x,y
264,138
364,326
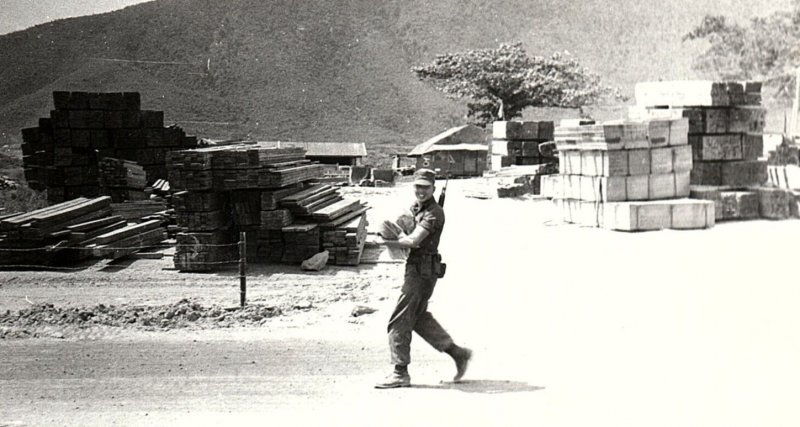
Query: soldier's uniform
x,y
422,270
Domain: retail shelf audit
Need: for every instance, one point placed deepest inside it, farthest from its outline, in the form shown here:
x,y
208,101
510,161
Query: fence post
x,y
242,268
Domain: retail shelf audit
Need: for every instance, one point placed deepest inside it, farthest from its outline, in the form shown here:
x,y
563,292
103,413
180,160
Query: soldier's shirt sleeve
x,y
432,220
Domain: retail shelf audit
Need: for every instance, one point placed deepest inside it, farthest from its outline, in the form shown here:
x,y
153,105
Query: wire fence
x,y
184,264
158,246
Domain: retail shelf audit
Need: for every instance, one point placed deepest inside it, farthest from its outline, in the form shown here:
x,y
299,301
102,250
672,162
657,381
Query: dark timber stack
x,y
127,240
726,126
269,193
123,180
61,154
57,234
517,143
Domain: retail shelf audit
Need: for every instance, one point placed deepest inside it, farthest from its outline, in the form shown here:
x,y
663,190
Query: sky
x,y
18,15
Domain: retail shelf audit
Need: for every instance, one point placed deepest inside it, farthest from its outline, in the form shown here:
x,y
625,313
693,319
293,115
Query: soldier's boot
x,y
462,356
398,378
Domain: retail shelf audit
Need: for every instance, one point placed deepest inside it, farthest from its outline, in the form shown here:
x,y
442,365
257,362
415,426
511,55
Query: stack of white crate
x,y
626,175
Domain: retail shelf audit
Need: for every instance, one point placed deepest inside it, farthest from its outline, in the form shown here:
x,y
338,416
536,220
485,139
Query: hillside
x,y
321,70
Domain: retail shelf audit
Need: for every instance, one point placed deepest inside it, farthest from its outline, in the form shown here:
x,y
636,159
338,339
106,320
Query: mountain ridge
x,y
320,70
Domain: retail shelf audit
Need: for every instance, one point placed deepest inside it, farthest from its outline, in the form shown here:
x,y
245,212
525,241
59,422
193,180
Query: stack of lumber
x,y
123,180
56,234
242,166
626,175
726,127
205,250
127,240
345,242
136,211
223,196
300,242
305,203
270,246
267,192
245,208
517,143
61,154
344,231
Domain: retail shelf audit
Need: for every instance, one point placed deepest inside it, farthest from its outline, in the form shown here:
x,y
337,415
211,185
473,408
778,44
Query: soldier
x,y
423,268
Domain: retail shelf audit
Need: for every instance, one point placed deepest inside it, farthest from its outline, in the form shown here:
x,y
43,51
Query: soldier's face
x,y
423,192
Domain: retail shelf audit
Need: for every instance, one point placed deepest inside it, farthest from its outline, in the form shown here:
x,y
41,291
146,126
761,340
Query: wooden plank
x,y
774,203
317,197
682,158
678,132
738,205
744,173
716,147
706,173
639,162
709,193
126,232
36,231
637,187
323,203
91,225
690,214
131,244
638,216
15,221
64,215
661,160
85,236
344,218
661,186
336,209
300,195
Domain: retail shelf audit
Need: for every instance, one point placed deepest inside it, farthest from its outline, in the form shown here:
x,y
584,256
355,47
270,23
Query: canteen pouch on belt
x,y
439,268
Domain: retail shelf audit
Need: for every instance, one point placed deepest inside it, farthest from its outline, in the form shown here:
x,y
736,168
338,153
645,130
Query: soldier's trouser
x,y
411,314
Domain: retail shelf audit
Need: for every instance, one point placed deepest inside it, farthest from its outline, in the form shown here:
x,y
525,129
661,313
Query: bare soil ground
x,y
570,326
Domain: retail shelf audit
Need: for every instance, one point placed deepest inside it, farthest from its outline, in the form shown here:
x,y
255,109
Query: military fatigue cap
x,y
424,177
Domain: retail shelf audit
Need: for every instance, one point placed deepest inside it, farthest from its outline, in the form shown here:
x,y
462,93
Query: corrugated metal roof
x,y
456,147
326,149
469,134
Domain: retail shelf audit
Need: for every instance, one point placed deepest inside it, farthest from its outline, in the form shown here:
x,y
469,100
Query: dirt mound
x,y
183,314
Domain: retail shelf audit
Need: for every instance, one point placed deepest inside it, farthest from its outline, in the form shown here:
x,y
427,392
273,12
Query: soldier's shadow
x,y
482,386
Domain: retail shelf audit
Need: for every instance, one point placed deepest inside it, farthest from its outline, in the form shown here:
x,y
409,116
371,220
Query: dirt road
x,y
571,326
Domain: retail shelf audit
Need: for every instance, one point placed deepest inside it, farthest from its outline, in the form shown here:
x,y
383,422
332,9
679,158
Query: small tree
x,y
768,49
503,82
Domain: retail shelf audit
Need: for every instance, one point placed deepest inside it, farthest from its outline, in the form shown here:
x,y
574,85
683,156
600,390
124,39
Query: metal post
x,y
242,268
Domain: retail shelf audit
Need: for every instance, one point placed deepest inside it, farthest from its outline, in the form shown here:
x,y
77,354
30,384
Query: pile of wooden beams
x,y
236,167
204,221
300,242
61,154
626,175
204,251
122,180
127,240
268,193
726,127
345,242
57,234
136,211
517,143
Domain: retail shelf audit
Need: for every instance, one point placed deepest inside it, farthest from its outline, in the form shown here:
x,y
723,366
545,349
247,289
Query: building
x,y
332,153
460,151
